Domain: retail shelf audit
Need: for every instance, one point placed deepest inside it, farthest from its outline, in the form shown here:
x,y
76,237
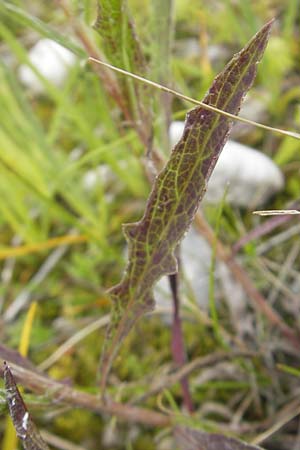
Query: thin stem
x,y
241,276
62,393
196,102
198,363
178,350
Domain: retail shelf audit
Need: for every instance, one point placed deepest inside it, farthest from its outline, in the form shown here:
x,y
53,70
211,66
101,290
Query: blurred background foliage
x,y
71,167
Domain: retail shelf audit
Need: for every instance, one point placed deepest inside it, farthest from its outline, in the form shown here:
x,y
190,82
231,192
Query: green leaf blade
x,y
176,194
117,31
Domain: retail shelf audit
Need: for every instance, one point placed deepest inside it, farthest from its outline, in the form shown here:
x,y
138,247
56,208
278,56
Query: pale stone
x,y
250,176
195,255
51,60
100,175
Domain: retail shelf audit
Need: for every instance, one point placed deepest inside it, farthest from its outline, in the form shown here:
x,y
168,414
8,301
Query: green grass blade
x,y
24,19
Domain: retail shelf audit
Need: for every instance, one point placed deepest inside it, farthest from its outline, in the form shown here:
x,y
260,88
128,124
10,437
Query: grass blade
x,y
23,18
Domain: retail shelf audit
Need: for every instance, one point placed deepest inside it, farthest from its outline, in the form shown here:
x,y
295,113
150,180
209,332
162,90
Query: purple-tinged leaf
x,y
115,26
24,426
189,439
175,196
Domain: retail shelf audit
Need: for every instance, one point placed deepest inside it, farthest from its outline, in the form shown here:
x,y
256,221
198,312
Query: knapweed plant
x,y
132,83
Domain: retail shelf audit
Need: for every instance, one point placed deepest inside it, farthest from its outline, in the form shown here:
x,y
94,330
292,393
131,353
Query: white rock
x,y
196,259
101,174
51,60
90,179
189,48
252,176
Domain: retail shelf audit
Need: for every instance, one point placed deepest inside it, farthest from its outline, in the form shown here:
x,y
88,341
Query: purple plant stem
x,y
177,344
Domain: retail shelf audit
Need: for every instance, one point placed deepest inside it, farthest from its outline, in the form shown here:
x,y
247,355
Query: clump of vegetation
x,y
78,157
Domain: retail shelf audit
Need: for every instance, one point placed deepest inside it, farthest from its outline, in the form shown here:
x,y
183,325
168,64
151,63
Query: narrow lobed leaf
x,y
122,47
24,426
176,195
117,31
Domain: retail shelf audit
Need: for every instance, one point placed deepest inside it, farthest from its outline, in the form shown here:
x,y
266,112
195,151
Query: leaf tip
x,y
6,369
267,27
